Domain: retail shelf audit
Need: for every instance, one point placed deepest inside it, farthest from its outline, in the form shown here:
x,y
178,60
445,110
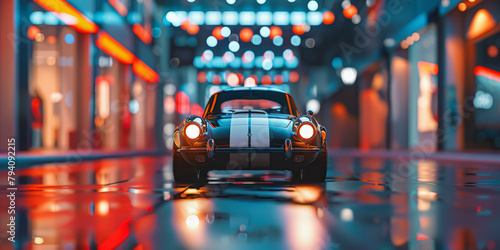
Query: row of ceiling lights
x,y
312,5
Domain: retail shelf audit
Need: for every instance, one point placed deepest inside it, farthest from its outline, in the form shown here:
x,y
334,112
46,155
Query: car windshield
x,y
232,101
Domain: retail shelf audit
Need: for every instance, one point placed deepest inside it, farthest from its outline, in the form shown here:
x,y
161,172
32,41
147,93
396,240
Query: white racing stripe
x,y
259,138
259,124
238,138
238,133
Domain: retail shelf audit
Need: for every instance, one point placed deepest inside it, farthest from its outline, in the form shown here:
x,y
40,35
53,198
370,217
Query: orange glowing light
x,y
251,81
32,32
185,24
142,33
201,77
119,7
113,48
233,80
350,11
462,7
145,72
430,68
481,23
216,33
103,84
294,76
275,31
193,29
328,17
69,15
246,34
299,29
266,80
487,73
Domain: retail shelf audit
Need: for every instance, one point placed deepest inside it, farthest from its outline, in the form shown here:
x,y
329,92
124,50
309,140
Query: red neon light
x,y
278,79
196,109
422,236
142,33
432,68
350,11
488,73
328,17
118,237
266,80
113,48
106,79
294,76
182,102
275,31
216,33
299,29
145,72
32,32
119,7
69,15
246,34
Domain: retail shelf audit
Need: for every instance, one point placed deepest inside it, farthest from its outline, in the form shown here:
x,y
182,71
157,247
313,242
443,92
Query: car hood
x,y
275,120
250,130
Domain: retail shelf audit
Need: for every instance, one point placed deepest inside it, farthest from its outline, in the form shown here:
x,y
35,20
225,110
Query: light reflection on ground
x,y
366,203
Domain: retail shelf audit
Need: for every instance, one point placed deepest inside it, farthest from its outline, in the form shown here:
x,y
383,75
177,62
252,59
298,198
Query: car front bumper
x,y
250,158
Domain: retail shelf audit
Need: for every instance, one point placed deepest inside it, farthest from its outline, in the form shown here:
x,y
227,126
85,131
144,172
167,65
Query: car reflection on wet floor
x,y
366,203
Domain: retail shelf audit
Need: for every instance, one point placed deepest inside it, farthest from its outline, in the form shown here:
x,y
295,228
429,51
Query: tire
x,y
183,171
316,170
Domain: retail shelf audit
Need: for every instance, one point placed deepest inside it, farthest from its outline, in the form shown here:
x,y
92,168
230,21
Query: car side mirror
x,y
310,113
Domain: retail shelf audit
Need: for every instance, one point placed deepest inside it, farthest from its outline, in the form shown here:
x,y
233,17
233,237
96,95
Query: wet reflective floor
x,y
366,203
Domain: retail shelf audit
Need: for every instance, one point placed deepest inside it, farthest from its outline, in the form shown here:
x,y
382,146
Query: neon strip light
x,y
488,73
113,48
142,33
69,15
145,72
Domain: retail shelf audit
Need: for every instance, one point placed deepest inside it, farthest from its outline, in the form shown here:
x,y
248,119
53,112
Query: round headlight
x,y
306,131
192,131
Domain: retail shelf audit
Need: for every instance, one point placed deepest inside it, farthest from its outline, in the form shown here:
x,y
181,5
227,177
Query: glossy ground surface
x,y
366,203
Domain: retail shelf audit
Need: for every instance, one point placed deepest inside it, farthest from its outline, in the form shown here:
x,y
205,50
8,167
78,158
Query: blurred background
x,y
409,91
120,75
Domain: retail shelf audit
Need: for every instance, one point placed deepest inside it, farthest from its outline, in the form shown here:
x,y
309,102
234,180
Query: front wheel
x,y
314,172
183,171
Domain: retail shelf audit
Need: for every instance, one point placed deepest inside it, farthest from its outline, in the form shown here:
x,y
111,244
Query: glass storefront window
x,y
487,93
53,86
423,122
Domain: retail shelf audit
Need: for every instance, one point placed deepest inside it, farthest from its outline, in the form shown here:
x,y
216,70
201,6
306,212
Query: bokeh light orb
x,y
350,11
233,80
299,29
275,31
265,31
246,35
328,17
216,33
266,80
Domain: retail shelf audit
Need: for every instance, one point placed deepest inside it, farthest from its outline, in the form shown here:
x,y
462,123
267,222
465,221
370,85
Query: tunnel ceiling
x,y
332,39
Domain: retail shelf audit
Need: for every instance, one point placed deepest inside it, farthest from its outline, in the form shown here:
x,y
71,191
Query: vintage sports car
x,y
250,129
